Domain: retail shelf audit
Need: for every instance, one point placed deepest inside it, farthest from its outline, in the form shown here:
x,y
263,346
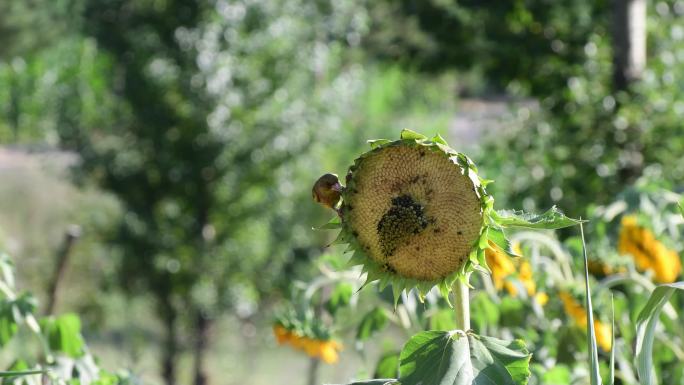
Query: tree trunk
x,y
204,234
63,254
629,42
202,329
170,351
14,104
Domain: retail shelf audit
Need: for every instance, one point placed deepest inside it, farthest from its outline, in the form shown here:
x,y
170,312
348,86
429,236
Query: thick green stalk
x,y
462,304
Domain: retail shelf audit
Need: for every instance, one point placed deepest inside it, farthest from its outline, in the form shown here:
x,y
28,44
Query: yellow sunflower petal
x,y
649,254
329,352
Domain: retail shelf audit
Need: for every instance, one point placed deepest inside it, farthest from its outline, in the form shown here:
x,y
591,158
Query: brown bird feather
x,y
327,191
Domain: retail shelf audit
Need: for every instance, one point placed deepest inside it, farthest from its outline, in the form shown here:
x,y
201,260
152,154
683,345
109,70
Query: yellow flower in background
x,y
579,315
649,254
525,277
503,267
542,298
282,335
326,350
311,346
298,342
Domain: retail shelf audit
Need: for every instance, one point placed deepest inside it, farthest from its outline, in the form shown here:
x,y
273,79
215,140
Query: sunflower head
x,y
413,212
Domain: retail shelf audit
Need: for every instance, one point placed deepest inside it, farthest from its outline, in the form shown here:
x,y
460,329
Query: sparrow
x,y
327,191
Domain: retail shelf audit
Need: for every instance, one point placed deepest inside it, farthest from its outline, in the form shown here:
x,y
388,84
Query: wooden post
x,y
70,237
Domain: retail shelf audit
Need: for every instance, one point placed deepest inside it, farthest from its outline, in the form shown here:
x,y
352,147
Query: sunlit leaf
x,y
408,134
388,366
340,296
438,139
332,224
374,143
646,324
64,334
551,219
8,326
436,357
371,323
498,236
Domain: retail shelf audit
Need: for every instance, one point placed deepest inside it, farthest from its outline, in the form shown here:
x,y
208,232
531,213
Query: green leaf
x,y
339,297
436,357
483,243
381,381
332,224
371,323
507,362
388,366
551,219
498,236
8,326
646,324
375,143
26,304
438,139
408,134
64,334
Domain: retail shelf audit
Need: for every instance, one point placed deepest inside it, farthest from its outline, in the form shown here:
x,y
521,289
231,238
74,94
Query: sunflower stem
x,y
462,303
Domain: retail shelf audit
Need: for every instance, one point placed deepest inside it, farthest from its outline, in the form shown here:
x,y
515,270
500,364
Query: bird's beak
x,y
337,187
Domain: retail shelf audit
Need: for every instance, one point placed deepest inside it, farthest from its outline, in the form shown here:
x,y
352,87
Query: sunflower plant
x,y
44,349
303,331
415,215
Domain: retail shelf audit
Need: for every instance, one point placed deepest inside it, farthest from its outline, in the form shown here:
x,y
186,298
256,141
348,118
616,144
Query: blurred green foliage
x,y
587,141
206,122
528,45
582,139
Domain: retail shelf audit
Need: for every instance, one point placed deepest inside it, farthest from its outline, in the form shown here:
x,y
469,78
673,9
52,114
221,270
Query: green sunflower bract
x,y
413,213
